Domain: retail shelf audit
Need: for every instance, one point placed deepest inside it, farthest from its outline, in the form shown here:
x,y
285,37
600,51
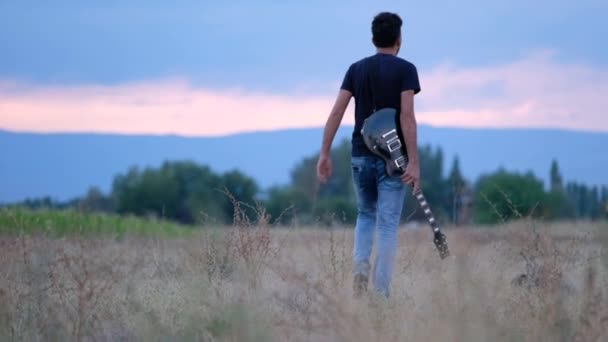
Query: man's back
x,y
377,82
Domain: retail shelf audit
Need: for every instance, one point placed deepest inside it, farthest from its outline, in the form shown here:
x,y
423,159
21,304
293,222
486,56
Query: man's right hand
x,y
324,168
412,176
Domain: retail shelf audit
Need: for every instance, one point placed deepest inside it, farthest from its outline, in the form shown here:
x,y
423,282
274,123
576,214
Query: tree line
x,y
194,194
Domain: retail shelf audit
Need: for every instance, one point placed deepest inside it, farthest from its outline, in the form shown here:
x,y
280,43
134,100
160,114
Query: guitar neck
x,y
427,210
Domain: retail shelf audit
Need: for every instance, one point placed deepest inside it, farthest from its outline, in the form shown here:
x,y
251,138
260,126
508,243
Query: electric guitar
x,y
382,136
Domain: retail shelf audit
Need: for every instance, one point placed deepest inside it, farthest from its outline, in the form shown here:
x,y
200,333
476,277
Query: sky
x,y
212,68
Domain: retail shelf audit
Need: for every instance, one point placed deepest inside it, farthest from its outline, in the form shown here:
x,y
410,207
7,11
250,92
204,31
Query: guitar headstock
x,y
439,239
441,243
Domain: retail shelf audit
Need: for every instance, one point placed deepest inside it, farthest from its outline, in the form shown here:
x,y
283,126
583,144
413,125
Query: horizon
x,y
342,127
74,162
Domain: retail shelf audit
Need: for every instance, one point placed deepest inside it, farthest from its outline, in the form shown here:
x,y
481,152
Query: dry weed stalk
x,y
318,312
23,289
541,305
594,317
214,257
83,283
75,289
333,261
252,240
545,261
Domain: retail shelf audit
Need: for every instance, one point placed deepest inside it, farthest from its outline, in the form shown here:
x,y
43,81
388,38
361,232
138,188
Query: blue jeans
x,y
379,204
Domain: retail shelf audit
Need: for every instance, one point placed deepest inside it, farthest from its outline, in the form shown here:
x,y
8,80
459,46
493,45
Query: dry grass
x,y
523,281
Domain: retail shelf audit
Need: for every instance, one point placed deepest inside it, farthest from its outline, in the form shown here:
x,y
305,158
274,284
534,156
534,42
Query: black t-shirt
x,y
387,76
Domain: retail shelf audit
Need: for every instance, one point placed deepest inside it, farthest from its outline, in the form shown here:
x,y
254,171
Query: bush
x,y
333,210
502,196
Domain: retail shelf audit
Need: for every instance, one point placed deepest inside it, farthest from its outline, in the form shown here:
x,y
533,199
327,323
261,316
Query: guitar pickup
x,y
393,144
400,162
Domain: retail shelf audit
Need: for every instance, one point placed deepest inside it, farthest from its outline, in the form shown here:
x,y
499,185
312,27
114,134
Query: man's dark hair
x,y
386,28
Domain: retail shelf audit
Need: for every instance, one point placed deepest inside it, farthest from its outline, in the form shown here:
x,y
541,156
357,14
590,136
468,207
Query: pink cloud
x,y
533,92
164,107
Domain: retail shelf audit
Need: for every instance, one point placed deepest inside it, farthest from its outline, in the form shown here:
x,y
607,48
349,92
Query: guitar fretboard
x,y
427,211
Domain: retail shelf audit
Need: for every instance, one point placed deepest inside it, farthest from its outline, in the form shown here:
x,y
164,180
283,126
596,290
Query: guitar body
x,y
382,135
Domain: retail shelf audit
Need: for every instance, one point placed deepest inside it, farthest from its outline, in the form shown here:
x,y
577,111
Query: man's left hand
x,y
324,168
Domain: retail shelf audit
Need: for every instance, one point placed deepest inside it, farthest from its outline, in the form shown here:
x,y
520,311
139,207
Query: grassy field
x,y
68,276
57,223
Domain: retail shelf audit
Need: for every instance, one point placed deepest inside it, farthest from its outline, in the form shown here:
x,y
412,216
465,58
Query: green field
x,y
65,276
59,223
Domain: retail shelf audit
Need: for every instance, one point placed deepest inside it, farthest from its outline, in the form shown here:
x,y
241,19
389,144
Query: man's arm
x,y
409,130
334,120
331,126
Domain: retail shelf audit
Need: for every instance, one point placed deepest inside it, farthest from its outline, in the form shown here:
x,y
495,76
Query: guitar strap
x,y
390,139
371,73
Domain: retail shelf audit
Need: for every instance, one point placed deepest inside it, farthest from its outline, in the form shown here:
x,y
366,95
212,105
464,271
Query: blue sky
x,y
292,48
260,43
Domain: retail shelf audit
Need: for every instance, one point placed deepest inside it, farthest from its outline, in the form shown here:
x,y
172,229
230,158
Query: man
x,y
380,81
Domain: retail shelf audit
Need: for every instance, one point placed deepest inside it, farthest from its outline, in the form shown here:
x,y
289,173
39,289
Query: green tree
x,y
43,203
337,197
502,196
287,205
604,202
304,175
572,193
182,191
243,189
147,192
555,177
322,199
304,178
341,182
557,204
335,210
455,186
197,192
95,200
583,201
595,209
432,184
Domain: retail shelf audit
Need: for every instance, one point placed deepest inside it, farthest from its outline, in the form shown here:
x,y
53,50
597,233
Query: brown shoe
x,y
359,285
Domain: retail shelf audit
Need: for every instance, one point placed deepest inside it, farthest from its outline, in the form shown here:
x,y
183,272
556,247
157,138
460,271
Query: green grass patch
x,y
58,223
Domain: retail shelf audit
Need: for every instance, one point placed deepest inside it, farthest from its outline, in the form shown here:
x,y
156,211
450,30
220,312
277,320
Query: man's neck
x,y
388,51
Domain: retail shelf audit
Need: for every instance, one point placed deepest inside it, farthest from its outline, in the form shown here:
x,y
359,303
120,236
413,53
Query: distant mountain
x,y
66,165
